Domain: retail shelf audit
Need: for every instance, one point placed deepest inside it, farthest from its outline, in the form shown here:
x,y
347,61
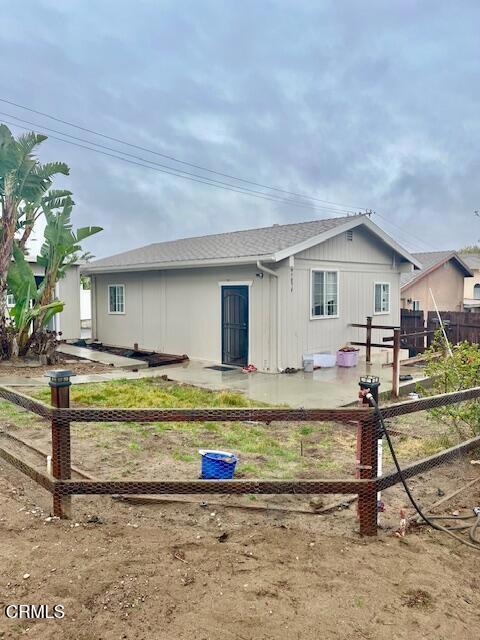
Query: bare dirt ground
x,y
209,570
21,368
161,572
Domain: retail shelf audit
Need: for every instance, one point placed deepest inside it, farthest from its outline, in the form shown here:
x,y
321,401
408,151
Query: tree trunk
x,y
6,250
27,232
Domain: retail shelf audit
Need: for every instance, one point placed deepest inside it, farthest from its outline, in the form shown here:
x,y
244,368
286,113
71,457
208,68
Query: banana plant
x,y
36,305
59,250
23,182
27,309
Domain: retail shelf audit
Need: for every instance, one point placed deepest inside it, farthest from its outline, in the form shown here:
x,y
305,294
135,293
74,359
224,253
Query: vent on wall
x,y
349,235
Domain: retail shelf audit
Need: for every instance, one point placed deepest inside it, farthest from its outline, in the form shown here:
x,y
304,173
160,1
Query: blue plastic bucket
x,y
217,465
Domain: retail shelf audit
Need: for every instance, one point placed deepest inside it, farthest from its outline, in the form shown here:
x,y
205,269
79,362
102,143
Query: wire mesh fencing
x,y
256,451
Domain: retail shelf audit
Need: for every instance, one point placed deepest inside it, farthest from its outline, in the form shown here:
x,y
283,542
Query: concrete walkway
x,y
118,362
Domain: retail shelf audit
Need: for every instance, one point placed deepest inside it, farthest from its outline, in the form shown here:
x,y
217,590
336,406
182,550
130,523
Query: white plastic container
x,y
324,360
321,360
308,364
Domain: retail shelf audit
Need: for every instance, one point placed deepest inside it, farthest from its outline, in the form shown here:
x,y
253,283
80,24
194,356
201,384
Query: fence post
x,y
396,364
367,470
59,383
367,460
368,351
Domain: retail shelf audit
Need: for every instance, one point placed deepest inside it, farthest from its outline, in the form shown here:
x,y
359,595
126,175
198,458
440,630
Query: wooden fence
x,y
459,325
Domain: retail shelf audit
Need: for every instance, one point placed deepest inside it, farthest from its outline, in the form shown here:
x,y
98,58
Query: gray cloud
x,y
374,104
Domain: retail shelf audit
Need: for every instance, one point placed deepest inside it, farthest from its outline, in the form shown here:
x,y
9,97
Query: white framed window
x,y
10,300
382,297
323,294
116,298
415,305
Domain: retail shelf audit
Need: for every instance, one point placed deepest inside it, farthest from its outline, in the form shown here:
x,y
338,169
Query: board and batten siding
x,y
360,263
179,311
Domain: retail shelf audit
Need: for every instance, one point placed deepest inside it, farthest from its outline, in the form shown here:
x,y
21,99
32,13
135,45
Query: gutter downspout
x,y
275,275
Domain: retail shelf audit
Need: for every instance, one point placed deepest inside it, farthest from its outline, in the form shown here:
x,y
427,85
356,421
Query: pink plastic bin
x,y
347,358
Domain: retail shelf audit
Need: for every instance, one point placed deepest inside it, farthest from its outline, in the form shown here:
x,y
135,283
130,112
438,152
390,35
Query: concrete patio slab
x,y
119,362
328,388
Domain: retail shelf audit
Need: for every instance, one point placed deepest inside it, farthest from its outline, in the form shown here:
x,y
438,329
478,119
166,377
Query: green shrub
x,y
456,369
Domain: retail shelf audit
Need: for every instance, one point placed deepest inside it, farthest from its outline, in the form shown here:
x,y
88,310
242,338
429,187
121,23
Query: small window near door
x,y
476,292
382,297
415,305
116,298
10,300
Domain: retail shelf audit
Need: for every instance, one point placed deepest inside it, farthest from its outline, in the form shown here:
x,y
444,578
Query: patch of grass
x,y
415,448
183,457
264,450
305,430
16,415
248,469
148,392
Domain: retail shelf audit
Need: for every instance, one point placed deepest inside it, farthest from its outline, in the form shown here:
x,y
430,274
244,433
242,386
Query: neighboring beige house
x,y
471,295
68,291
443,274
263,296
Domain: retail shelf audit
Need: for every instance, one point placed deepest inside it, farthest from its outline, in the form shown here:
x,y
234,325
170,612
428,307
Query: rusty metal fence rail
x,y
366,484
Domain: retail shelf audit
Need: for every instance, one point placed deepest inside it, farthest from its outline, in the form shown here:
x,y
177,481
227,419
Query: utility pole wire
x,y
234,189
174,159
163,166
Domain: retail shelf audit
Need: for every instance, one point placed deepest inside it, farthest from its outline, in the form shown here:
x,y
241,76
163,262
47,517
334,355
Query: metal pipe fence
x,y
366,484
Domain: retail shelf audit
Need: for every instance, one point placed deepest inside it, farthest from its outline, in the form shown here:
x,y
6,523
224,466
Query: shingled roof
x,y
431,261
266,243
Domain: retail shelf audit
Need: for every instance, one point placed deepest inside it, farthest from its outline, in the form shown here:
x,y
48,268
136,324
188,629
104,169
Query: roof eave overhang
x,y
91,269
356,221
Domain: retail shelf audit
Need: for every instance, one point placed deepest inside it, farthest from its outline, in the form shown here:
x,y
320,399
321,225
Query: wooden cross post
x,y
368,341
396,363
61,460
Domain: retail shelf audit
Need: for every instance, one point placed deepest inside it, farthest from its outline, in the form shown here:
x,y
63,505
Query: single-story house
x,y
443,273
68,291
471,294
263,296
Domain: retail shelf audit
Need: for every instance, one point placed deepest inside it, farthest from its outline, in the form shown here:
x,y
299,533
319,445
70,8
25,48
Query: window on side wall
x,y
116,298
10,300
324,294
382,297
415,305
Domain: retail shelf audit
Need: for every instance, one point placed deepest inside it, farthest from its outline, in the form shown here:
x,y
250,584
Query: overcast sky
x,y
370,104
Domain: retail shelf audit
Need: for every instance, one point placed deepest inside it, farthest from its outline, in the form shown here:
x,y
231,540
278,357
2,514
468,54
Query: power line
x,y
174,159
192,176
418,241
163,166
234,189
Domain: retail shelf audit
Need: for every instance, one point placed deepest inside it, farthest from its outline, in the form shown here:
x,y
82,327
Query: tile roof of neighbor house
x,y
430,261
262,243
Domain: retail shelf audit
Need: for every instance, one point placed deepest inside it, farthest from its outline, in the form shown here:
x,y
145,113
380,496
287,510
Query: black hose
x,y
475,543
